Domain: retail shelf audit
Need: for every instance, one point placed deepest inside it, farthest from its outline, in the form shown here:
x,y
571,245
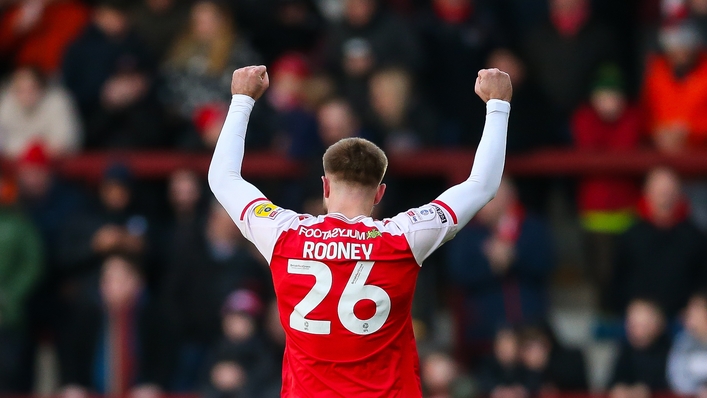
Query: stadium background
x,y
120,275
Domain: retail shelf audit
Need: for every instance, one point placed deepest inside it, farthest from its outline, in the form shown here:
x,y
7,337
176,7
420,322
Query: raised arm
x,y
465,199
225,180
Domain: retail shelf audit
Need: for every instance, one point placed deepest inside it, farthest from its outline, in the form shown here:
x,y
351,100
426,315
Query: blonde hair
x,y
219,48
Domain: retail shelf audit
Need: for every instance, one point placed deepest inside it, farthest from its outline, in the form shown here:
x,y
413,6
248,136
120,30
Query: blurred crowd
x,y
144,287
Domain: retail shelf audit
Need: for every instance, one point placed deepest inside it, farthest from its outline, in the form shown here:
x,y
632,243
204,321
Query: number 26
x,y
355,291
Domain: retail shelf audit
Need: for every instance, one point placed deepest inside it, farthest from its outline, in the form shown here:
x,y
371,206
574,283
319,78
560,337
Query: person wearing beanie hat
x,y
608,122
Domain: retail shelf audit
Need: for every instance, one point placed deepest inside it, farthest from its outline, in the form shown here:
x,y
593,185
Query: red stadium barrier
x,y
454,165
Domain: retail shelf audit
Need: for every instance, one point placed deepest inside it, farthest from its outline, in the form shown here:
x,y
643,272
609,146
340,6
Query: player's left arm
x,y
428,227
464,200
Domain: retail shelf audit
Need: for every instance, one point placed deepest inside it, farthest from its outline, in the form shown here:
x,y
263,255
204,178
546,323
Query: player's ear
x,y
380,191
326,186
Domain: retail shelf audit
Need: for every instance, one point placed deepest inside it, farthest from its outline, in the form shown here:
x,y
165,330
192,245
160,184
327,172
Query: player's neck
x,y
349,208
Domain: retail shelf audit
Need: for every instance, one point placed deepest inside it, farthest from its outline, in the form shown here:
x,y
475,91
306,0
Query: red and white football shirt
x,y
344,290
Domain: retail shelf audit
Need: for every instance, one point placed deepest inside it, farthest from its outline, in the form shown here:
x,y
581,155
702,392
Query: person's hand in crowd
x,y
630,391
500,254
107,238
228,376
514,391
30,15
73,391
493,84
251,81
123,90
671,139
146,391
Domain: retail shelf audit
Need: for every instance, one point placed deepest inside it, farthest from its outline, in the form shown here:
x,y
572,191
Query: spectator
x,y
96,63
37,32
399,118
530,128
157,23
337,120
120,344
115,225
456,36
366,39
21,257
188,213
199,65
283,26
32,111
286,111
662,256
201,271
551,367
687,373
275,339
241,350
609,122
130,116
50,203
698,13
442,378
500,265
640,367
675,90
564,53
502,375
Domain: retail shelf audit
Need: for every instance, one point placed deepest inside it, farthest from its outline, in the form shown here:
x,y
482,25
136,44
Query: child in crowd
x,y
640,367
240,362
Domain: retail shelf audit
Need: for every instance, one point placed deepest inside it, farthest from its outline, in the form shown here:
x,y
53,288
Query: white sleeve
x,y
465,199
426,228
260,221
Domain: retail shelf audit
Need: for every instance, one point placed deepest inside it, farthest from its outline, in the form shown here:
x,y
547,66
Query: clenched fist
x,y
493,84
251,81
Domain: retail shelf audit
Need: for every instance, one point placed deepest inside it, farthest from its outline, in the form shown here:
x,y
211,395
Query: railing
x,y
454,165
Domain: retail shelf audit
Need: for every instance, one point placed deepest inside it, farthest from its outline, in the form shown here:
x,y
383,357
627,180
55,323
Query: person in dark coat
x,y
242,346
499,264
551,366
200,273
106,44
662,257
120,344
564,52
640,367
110,74
456,37
367,38
502,373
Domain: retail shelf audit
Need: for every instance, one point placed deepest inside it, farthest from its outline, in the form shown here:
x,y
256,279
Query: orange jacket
x,y
44,44
669,100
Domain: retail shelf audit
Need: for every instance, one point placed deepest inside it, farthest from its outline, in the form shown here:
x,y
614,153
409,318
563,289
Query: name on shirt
x,y
333,233
337,251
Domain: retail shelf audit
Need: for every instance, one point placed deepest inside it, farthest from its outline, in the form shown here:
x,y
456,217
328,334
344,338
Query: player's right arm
x,y
258,219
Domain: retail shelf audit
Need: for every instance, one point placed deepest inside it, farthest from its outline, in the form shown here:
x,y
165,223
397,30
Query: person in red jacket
x,y
36,32
608,123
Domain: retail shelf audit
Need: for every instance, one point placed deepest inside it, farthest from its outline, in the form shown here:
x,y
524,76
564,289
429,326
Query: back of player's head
x,y
355,161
